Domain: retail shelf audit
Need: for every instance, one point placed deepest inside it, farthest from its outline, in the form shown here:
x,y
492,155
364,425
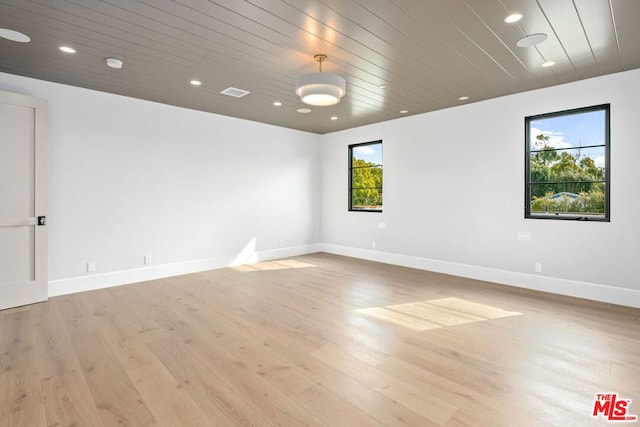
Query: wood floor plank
x,y
68,401
162,394
218,400
327,381
290,342
54,350
17,349
354,385
486,410
332,410
33,416
20,388
313,322
20,393
265,398
242,346
399,318
421,400
115,396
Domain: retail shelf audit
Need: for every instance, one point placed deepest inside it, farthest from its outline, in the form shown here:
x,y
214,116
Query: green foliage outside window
x,y
565,182
366,185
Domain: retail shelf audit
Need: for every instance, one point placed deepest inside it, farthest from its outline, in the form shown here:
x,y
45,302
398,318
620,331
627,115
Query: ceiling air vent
x,y
235,92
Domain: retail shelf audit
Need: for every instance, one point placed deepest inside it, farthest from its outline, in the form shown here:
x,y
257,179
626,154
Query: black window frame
x,y
607,164
381,166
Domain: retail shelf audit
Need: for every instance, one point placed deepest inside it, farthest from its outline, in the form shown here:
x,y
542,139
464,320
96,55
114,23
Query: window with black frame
x,y
365,177
567,165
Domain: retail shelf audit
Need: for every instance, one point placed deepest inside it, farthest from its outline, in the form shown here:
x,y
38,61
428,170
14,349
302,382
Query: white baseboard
x,y
124,277
573,288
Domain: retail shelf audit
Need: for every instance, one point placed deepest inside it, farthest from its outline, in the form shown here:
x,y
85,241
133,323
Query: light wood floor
x,y
318,340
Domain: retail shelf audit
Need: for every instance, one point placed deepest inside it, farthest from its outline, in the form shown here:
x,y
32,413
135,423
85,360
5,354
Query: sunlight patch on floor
x,y
283,264
432,314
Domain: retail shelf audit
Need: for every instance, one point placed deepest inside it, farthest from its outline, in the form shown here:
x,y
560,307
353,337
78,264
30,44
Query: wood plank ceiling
x,y
426,53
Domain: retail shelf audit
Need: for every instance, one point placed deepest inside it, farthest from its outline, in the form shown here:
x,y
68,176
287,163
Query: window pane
x,y
568,131
369,153
568,198
369,199
366,177
575,164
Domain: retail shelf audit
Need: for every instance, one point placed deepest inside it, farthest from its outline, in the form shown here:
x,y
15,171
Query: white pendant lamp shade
x,y
320,89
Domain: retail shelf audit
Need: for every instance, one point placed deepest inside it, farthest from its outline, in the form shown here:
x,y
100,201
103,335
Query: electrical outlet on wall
x,y
91,266
524,236
373,244
537,267
148,260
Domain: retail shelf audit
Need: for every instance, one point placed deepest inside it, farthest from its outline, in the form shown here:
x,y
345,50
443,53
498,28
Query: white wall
x,y
197,191
453,195
129,177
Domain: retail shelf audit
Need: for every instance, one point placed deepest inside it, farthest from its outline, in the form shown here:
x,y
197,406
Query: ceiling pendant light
x,y
320,88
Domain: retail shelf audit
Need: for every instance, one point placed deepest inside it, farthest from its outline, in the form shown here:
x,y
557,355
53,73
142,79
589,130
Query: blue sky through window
x,y
371,153
573,131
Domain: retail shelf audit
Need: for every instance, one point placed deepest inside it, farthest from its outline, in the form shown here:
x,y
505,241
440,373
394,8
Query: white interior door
x,y
23,231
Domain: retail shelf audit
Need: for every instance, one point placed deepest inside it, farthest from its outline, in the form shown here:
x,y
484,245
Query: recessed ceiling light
x,y
549,64
114,63
67,49
404,111
463,98
14,36
277,103
514,17
195,82
303,110
334,117
531,40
